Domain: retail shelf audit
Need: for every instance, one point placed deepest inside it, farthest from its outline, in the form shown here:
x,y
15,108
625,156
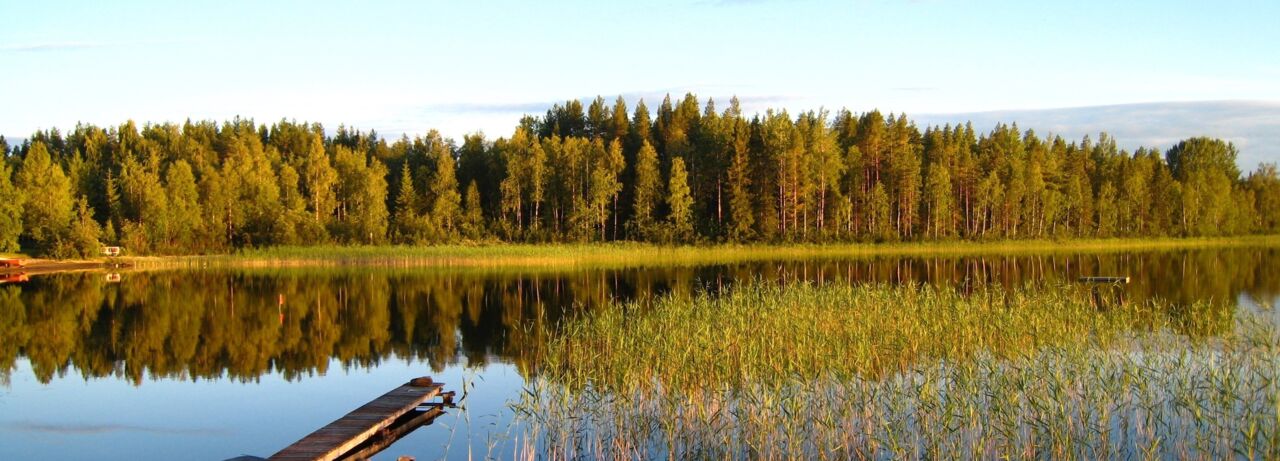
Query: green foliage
x,y
647,191
679,202
319,180
739,175
878,217
362,194
445,200
82,240
186,223
595,174
48,207
11,206
473,217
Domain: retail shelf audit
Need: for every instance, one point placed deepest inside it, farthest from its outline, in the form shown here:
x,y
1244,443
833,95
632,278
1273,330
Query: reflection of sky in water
x,y
1264,307
107,418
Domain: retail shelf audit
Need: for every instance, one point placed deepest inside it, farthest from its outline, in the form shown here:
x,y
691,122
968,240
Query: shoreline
x,y
620,255
647,255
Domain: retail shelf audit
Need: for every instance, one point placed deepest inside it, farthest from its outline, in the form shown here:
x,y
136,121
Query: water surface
x,y
211,364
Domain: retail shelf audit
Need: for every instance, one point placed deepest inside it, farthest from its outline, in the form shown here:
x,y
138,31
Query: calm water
x,y
215,364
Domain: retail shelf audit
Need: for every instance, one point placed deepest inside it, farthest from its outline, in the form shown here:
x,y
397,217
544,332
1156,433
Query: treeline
x,y
685,173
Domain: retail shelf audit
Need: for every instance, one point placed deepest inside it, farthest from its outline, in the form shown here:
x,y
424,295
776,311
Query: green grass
x,y
841,372
639,255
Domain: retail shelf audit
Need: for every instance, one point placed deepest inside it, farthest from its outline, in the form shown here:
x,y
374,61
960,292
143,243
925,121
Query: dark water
x,y
214,364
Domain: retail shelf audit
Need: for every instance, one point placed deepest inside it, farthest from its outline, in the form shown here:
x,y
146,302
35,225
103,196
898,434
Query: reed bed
x,y
857,372
648,255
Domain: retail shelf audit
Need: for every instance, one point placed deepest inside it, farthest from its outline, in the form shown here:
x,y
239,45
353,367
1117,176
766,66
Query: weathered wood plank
x,y
348,432
1104,279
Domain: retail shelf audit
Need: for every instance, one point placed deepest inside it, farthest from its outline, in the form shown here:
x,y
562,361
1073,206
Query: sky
x,y
466,66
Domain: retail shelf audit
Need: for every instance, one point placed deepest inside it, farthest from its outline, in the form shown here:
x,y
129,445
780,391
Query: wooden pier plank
x,y
359,425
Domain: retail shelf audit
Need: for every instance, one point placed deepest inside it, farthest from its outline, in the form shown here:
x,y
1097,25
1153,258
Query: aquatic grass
x,y
841,372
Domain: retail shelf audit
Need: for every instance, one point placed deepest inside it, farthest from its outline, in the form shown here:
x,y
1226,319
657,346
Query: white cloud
x,y
1254,126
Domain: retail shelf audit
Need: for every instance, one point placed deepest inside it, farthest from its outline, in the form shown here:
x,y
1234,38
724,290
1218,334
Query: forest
x,y
688,173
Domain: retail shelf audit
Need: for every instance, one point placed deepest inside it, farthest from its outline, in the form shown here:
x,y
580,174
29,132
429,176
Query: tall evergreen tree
x,y
680,202
445,200
408,222
742,216
647,191
473,217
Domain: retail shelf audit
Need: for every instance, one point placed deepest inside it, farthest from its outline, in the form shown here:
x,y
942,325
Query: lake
x,y
216,363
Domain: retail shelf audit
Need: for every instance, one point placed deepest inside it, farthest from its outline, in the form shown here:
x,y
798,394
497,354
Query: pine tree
x,y
938,200
407,221
680,202
879,213
646,192
741,214
619,125
446,202
473,217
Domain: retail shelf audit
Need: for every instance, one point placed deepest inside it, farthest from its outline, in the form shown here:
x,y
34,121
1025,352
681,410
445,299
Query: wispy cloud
x,y
48,46
743,2
496,108
89,429
652,99
1254,126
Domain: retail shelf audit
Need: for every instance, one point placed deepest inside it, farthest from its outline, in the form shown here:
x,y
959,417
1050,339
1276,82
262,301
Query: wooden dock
x,y
372,427
1119,280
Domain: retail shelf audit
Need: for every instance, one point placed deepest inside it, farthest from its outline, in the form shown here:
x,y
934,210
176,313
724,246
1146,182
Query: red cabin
x,y
10,262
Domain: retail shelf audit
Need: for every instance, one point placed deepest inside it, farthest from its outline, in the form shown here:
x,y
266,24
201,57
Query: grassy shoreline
x,y
644,255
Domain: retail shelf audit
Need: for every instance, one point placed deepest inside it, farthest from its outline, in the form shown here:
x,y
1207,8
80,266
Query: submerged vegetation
x,y
879,371
685,173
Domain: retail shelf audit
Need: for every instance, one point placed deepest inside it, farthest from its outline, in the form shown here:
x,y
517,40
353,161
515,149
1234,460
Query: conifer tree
x,y
473,217
938,200
742,216
879,213
446,202
407,221
646,191
680,202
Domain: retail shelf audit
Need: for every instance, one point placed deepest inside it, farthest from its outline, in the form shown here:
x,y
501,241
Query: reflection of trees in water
x,y
210,325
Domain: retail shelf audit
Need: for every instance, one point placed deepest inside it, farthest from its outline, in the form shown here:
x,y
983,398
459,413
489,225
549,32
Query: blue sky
x,y
463,66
